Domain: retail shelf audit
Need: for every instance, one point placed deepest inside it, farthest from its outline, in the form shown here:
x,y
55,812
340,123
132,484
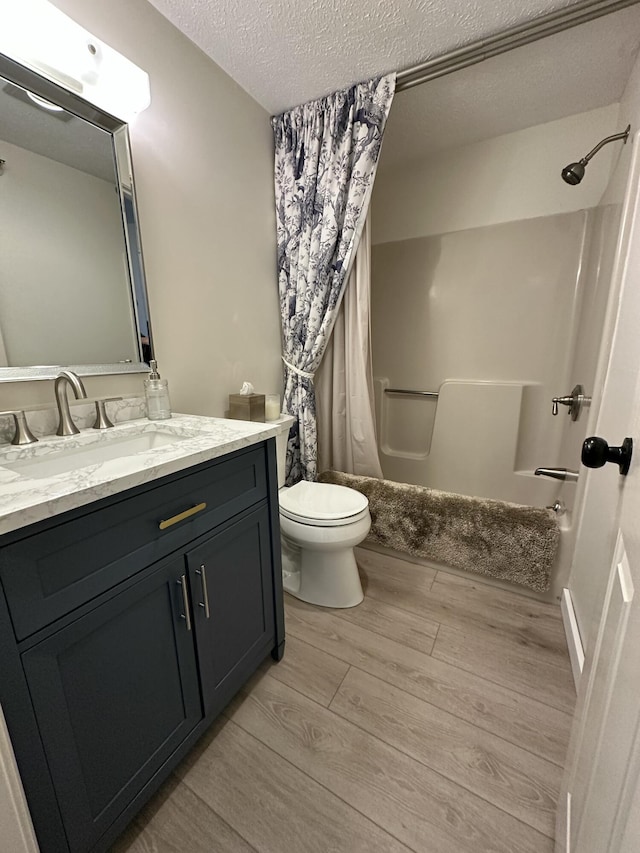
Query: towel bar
x,y
412,393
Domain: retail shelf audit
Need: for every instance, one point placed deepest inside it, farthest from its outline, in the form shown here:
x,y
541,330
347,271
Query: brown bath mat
x,y
502,540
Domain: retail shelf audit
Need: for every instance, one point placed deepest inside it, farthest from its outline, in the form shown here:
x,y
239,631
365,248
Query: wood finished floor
x,y
432,718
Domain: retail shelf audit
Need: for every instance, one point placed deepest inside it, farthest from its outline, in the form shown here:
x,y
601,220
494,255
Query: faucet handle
x,y
575,401
102,419
23,434
565,401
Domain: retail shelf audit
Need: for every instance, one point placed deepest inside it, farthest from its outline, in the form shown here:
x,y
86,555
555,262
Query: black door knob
x,y
596,453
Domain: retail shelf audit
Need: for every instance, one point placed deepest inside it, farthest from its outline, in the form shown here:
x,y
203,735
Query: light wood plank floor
x,y
432,718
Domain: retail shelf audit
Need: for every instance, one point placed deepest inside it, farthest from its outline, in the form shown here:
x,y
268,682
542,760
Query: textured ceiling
x,y
286,52
574,71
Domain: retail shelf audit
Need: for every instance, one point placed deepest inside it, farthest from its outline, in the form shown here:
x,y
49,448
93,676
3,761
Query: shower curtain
x,y
326,153
344,385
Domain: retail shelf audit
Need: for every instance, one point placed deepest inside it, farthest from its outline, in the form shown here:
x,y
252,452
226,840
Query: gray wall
x,y
203,162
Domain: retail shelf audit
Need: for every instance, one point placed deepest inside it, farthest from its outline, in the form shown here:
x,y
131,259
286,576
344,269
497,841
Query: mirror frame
x,y
27,79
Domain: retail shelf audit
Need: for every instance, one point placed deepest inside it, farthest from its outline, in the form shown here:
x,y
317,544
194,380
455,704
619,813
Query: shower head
x,y
574,172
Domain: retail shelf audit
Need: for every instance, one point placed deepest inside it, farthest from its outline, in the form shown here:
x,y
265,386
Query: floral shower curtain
x,y
325,162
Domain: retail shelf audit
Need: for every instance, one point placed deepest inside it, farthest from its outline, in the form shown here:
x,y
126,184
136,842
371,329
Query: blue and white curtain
x,y
325,163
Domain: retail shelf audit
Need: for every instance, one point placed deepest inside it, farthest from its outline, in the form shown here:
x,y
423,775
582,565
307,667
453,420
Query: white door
x,y
599,808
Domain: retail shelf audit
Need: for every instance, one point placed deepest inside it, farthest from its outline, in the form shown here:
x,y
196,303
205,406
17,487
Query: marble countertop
x,y
27,497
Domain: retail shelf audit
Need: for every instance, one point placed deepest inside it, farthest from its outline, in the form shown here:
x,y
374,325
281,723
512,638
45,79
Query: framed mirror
x,y
72,284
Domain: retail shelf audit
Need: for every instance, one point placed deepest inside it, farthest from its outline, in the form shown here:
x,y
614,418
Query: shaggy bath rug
x,y
507,541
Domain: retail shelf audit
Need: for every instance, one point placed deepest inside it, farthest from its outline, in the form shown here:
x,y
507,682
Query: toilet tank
x,y
284,425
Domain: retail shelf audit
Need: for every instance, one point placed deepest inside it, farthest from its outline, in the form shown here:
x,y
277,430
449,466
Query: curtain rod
x,y
546,25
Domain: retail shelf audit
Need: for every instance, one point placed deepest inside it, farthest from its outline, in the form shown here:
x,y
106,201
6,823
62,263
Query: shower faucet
x,y
575,401
564,474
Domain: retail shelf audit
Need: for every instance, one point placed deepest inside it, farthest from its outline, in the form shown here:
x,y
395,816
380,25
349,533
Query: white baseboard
x,y
576,652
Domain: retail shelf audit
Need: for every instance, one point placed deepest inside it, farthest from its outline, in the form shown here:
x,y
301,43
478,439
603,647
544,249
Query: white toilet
x,y
320,525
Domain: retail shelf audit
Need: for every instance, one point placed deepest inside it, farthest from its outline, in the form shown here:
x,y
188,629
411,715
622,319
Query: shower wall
x,y
483,317
477,295
505,179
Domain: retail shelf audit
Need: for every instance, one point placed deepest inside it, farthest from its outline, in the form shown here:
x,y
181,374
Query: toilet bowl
x,y
320,526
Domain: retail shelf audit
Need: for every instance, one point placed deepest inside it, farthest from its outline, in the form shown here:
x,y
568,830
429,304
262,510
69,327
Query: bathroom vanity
x,y
138,593
140,576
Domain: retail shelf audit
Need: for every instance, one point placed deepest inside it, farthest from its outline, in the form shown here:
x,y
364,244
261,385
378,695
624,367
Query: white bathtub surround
x,y
449,189
467,440
494,538
488,316
185,440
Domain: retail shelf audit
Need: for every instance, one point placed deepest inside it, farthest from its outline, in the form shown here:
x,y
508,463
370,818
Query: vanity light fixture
x,y
38,35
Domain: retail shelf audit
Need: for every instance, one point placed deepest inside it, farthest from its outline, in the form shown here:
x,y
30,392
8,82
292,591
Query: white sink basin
x,y
116,450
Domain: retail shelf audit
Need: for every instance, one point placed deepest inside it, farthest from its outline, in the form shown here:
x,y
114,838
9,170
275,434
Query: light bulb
x,y
47,105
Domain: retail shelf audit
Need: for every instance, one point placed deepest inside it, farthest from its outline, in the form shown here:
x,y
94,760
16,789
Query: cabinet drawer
x,y
52,572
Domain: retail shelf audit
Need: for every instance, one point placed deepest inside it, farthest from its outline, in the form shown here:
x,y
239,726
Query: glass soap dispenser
x,y
157,393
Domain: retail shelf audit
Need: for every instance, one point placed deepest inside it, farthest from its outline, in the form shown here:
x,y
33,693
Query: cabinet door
x,y
232,590
114,693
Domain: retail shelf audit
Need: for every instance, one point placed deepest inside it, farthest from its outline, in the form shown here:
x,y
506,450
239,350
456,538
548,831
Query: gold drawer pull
x,y
181,516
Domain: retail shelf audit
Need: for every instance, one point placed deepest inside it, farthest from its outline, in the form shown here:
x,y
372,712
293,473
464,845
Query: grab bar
x,y
412,393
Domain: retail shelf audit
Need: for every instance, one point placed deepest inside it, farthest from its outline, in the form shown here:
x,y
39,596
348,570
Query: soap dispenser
x,y
157,393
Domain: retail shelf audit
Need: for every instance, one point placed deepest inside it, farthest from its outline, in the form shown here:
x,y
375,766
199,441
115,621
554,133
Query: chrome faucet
x,y
558,474
66,425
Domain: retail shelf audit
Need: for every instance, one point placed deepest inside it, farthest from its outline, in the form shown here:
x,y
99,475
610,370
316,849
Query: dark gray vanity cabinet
x,y
121,642
230,579
115,692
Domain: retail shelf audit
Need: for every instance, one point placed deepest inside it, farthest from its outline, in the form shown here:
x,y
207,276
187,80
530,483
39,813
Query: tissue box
x,y
246,407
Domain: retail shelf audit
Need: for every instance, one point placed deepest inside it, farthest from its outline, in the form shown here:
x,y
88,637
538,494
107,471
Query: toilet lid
x,y
322,503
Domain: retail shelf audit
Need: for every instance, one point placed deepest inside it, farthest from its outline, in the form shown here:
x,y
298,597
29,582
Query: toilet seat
x,y
322,504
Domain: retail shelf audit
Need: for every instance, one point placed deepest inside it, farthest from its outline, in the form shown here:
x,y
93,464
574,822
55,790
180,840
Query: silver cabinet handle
x,y
202,572
185,600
